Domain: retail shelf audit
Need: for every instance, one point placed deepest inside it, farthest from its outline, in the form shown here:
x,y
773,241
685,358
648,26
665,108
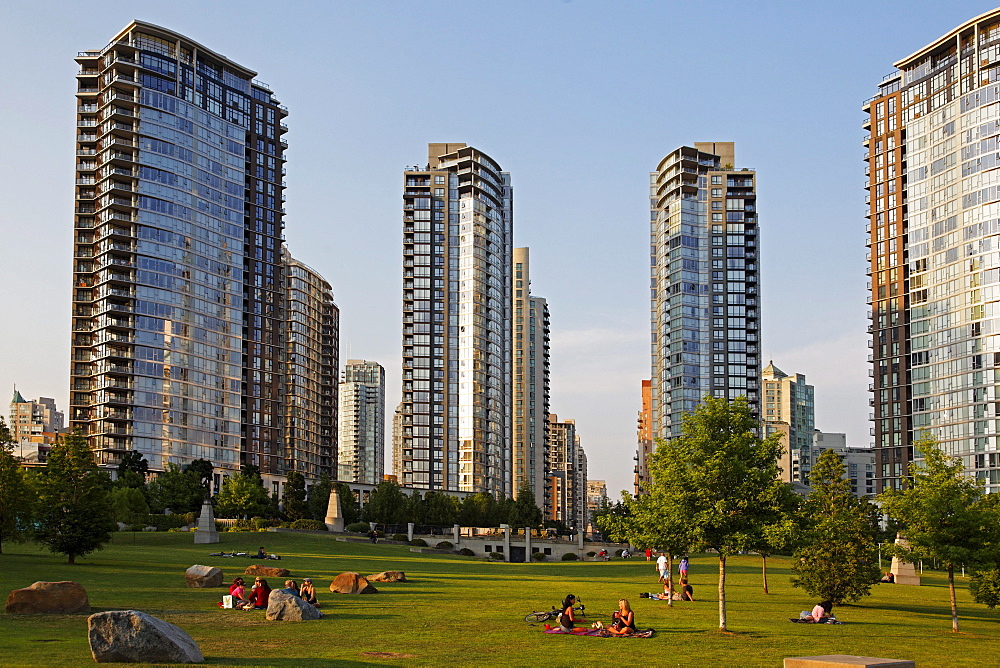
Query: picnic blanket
x,y
598,633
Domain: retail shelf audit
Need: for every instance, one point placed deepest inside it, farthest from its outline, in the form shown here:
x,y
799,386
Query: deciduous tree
x,y
294,498
319,498
720,476
386,505
16,494
242,495
837,554
943,515
180,491
74,510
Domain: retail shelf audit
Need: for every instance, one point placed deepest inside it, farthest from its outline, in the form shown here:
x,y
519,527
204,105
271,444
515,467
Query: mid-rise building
x,y
530,362
312,354
705,313
859,462
362,423
597,495
178,327
644,439
34,421
567,475
933,211
789,409
457,248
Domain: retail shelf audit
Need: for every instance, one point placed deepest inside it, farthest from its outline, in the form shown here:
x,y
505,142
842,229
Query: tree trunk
x,y
954,605
763,560
670,580
72,558
722,592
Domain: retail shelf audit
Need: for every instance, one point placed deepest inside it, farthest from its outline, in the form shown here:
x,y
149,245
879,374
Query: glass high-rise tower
x,y
457,250
361,445
178,342
530,383
704,287
933,204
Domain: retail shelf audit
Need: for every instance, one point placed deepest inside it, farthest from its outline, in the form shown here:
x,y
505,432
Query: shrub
x,y
445,545
309,525
162,522
466,552
570,556
618,553
538,556
402,537
418,542
496,556
591,554
985,587
358,527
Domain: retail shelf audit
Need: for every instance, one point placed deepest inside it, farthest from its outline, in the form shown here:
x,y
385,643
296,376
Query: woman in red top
x,y
260,594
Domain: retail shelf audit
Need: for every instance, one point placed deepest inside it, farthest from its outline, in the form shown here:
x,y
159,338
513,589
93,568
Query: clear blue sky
x,y
578,100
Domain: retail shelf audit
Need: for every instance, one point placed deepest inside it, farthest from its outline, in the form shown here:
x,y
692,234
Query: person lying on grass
x,y
624,620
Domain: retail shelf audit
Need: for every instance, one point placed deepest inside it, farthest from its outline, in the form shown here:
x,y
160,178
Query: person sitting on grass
x,y
261,554
889,577
820,613
566,618
624,623
686,593
238,591
307,592
260,593
291,587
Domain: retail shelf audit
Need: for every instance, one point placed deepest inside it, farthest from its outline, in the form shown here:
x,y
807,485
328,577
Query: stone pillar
x,y
506,541
527,545
903,572
206,533
580,543
334,517
456,532
409,530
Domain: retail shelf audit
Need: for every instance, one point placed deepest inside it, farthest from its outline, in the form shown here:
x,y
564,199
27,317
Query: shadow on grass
x,y
293,661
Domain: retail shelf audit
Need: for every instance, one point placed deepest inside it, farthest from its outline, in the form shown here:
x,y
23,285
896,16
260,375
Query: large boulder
x,y
351,583
266,571
203,576
282,606
130,636
388,576
56,598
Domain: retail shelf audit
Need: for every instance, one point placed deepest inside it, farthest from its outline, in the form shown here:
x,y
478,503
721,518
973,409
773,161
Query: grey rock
x,y
203,576
130,636
282,606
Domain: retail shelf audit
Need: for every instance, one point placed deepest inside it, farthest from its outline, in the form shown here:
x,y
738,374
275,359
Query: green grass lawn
x,y
460,611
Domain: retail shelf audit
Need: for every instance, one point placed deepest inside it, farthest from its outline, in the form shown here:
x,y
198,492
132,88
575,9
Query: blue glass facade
x,y
178,297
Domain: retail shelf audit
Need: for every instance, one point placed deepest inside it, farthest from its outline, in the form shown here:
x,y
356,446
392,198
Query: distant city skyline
x,y
579,103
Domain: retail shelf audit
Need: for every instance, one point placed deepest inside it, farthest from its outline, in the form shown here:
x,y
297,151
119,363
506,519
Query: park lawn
x,y
459,611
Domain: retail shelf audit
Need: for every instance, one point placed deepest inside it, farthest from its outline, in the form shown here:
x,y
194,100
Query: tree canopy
x,y
716,482
837,554
943,516
74,510
15,495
